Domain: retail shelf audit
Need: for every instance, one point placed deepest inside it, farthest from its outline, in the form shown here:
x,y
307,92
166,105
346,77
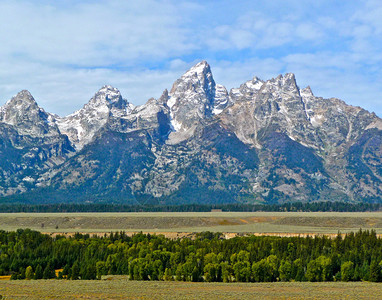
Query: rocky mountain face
x,y
30,144
266,141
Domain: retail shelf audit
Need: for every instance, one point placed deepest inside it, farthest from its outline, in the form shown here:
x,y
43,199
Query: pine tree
x,y
75,274
49,272
39,272
29,273
375,272
100,269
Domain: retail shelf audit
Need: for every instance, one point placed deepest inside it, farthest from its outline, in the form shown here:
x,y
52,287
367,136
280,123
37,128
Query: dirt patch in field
x,y
227,222
337,222
262,219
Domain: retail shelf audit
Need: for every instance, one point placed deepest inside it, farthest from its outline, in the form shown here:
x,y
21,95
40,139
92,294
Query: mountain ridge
x,y
266,141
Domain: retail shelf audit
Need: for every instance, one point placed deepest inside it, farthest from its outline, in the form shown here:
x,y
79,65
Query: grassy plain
x,y
164,222
118,287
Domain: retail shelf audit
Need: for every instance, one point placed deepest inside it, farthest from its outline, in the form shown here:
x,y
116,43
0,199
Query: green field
x,y
118,287
163,222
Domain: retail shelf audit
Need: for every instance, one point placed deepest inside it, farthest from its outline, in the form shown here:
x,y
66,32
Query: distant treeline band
x,y
107,207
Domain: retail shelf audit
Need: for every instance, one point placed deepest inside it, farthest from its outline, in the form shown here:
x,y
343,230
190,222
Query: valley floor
x,y
176,224
118,287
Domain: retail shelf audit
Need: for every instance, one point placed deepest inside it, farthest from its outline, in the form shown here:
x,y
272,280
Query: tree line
x,y
240,207
27,254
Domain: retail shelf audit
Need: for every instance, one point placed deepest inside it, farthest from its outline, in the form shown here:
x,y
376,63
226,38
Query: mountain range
x,y
263,142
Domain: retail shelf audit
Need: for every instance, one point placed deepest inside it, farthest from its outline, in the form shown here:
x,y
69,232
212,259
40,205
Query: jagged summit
x,y
247,90
201,70
24,95
22,99
23,112
82,125
196,78
285,82
306,92
194,97
107,93
110,96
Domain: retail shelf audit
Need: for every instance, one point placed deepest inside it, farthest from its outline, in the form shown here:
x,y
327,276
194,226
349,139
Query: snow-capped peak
x,y
286,83
23,98
23,111
108,94
192,96
247,90
82,125
195,96
289,76
198,79
199,70
254,84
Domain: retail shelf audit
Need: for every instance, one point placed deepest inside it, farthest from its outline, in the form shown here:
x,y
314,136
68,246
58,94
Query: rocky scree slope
x,y
266,141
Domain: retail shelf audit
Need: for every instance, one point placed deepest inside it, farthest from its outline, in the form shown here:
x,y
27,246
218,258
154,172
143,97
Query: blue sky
x,y
64,51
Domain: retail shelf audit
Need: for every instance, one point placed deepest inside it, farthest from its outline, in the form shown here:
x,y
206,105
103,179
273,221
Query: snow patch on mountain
x,y
82,125
317,120
221,99
246,91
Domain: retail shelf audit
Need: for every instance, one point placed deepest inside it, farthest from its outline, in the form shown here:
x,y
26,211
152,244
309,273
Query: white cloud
x,y
63,51
92,34
254,30
309,31
370,14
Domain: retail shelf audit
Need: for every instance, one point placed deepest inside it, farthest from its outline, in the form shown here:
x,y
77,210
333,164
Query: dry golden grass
x,y
120,288
228,222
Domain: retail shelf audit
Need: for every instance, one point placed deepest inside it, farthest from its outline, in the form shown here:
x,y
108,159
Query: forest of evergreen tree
x,y
323,206
27,254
